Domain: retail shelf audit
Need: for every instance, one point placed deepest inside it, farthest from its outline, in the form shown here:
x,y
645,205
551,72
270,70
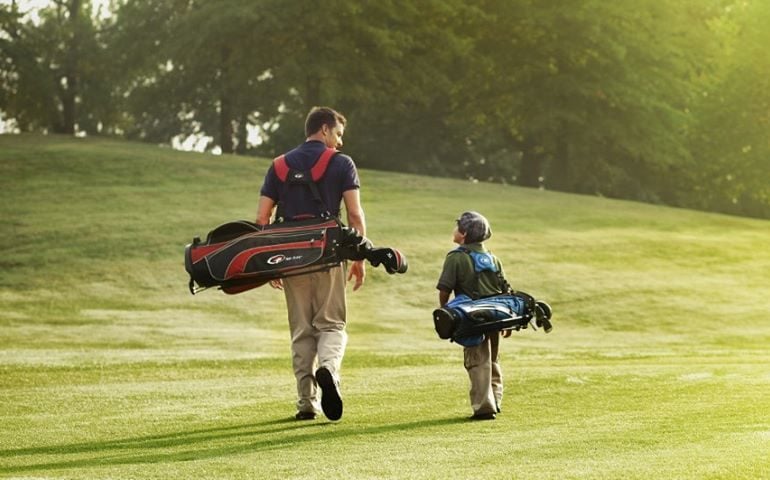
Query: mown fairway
x,y
658,365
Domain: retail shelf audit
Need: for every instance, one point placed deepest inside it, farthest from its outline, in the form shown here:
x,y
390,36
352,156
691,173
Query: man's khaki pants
x,y
316,307
485,374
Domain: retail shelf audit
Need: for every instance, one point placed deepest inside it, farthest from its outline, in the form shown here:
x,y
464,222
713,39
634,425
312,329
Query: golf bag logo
x,y
280,258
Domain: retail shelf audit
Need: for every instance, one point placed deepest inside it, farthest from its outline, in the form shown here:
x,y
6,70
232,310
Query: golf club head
x,y
543,315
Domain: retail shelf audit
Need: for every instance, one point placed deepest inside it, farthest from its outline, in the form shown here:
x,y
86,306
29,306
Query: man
x,y
316,302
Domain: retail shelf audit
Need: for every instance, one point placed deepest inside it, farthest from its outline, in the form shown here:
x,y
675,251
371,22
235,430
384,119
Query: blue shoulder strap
x,y
484,262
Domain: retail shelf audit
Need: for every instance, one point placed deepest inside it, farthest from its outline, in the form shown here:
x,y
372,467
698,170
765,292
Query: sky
x,y
31,6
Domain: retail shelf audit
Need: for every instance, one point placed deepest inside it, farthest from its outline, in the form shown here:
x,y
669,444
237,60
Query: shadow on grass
x,y
197,444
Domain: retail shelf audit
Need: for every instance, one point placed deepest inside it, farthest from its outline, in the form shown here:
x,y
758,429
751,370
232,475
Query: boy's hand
x,y
505,333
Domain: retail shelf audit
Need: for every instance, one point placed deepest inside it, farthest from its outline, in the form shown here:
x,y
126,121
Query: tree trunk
x,y
530,170
225,104
225,125
531,166
559,172
243,135
68,86
67,97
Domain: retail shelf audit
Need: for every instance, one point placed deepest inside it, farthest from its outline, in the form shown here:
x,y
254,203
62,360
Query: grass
x,y
657,366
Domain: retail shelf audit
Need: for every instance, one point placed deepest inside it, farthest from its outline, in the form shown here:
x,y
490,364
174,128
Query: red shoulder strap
x,y
281,168
320,166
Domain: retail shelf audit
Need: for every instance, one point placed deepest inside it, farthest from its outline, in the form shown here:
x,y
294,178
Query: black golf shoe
x,y
331,401
483,416
305,416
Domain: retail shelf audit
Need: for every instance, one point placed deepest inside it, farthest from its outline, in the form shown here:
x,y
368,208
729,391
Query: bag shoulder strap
x,y
318,170
281,167
505,287
310,178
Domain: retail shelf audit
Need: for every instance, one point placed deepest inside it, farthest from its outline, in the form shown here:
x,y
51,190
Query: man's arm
x,y
265,210
357,220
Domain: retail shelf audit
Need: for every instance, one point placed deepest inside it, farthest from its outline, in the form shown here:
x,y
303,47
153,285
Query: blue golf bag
x,y
467,320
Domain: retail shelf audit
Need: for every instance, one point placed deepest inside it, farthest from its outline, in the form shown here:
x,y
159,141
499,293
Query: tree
x,y
46,66
593,94
391,67
731,141
201,68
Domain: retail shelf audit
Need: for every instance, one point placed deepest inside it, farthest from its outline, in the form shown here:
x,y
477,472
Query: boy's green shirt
x,y
458,275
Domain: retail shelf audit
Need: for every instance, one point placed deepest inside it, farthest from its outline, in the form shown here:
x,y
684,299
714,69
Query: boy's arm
x,y
446,281
443,297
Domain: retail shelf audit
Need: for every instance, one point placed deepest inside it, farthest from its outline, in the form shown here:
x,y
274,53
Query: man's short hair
x,y
320,116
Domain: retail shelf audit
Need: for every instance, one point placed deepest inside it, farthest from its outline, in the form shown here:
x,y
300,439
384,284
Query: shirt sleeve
x,y
502,275
448,279
350,180
270,186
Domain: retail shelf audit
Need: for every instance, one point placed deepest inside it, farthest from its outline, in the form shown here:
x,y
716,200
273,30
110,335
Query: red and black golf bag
x,y
242,255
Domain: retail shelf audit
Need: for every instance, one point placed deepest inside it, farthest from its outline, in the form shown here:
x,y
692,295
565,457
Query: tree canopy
x,y
656,100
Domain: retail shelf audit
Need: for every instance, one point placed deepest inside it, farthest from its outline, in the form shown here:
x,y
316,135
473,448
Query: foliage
x,y
660,101
52,77
201,70
392,75
731,140
590,85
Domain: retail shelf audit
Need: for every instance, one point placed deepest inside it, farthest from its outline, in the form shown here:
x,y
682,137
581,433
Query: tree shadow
x,y
246,438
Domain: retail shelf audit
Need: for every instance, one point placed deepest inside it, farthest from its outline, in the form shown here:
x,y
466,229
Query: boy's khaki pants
x,y
317,309
485,374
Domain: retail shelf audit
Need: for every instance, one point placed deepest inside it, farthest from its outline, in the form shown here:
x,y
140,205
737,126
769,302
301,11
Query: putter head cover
x,y
390,258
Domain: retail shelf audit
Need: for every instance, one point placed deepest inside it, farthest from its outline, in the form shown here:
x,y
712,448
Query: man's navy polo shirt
x,y
341,175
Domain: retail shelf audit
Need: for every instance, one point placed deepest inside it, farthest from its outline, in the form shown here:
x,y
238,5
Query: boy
x,y
459,276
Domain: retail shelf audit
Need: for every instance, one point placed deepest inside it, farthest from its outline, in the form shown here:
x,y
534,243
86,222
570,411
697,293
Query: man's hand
x,y
358,270
277,284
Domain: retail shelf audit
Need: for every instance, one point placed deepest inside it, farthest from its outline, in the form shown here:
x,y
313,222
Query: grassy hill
x,y
657,366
